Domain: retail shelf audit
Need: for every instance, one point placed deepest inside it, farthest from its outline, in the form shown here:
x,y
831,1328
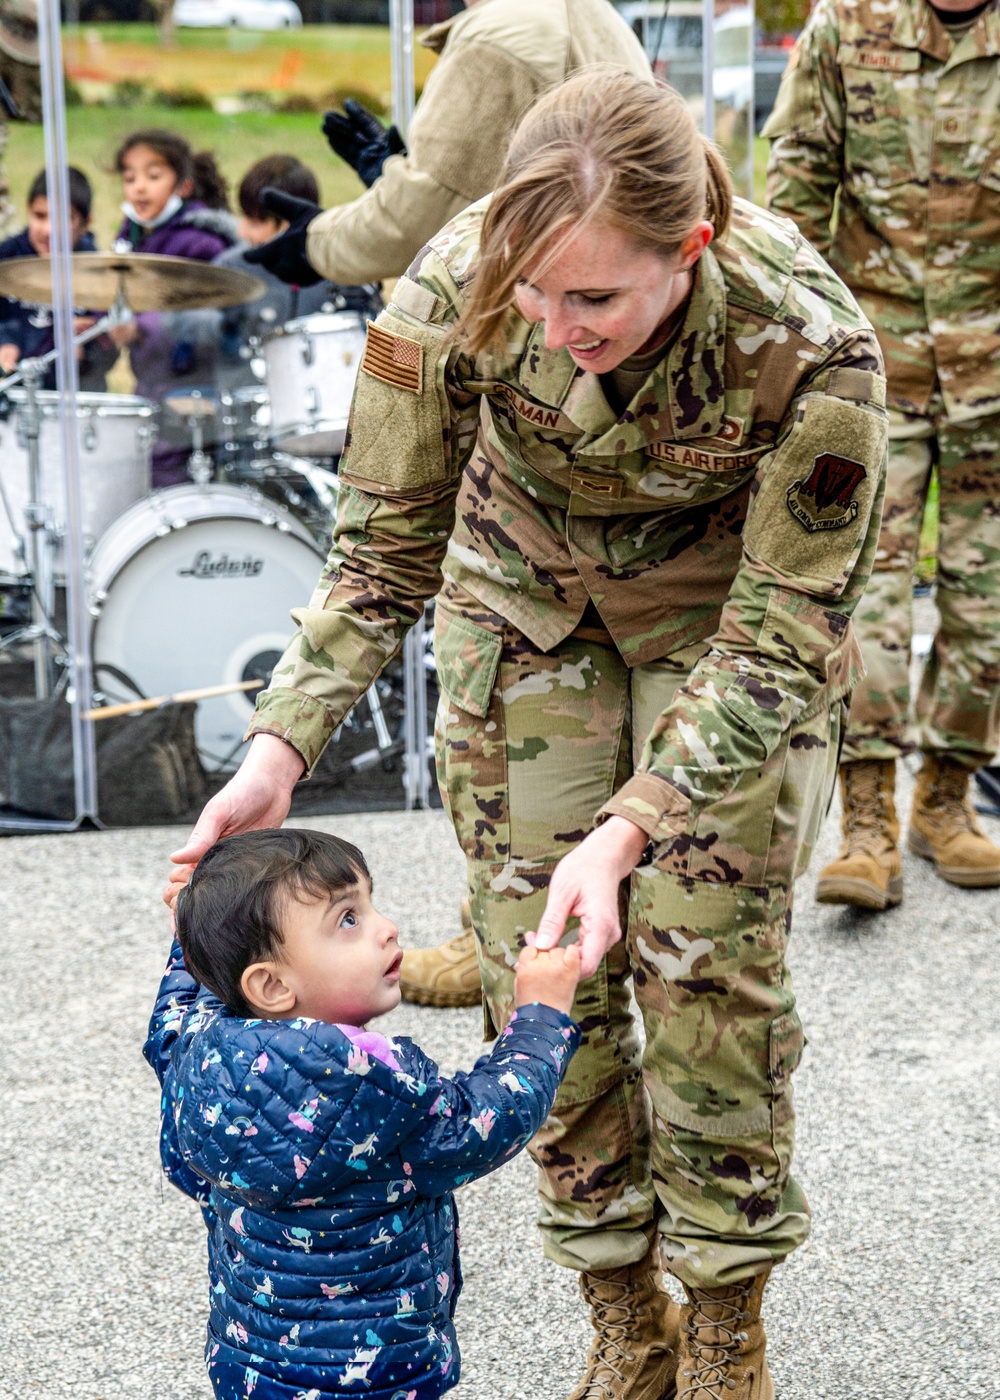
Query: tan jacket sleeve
x,y
458,140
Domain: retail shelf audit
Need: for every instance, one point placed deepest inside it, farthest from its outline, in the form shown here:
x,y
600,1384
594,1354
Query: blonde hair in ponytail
x,y
606,146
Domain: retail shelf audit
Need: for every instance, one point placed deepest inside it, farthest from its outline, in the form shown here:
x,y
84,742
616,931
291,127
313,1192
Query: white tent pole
x,y
401,40
78,620
708,65
415,678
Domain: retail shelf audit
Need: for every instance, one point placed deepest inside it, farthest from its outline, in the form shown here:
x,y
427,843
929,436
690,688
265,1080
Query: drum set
x,y
191,585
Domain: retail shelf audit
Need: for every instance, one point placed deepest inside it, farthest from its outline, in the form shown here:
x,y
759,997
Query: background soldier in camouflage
x,y
652,486
895,110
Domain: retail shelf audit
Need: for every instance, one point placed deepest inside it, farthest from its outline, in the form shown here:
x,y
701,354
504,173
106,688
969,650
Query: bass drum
x,y
193,587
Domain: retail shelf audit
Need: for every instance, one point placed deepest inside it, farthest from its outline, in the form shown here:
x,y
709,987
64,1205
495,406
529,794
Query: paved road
x,y
897,1296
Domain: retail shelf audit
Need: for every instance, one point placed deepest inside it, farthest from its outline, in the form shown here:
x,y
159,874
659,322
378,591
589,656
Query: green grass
x,y
760,150
927,552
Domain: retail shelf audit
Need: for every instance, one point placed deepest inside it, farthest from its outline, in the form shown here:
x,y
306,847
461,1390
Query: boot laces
x,y
715,1338
949,795
614,1318
864,810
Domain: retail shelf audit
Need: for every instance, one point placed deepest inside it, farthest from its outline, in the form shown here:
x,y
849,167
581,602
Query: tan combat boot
x,y
944,829
868,872
447,975
634,1353
722,1344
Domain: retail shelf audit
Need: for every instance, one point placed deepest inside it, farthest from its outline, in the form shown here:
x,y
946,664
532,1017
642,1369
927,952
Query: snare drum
x,y
114,433
193,587
312,364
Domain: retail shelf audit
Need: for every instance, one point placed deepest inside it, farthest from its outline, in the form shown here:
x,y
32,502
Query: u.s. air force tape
x,y
395,359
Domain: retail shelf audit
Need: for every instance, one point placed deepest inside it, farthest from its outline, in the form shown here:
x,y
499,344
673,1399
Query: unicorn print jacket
x,y
329,1156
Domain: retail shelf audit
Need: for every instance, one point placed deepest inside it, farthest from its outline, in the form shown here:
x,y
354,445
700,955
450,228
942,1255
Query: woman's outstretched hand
x,y
258,795
585,885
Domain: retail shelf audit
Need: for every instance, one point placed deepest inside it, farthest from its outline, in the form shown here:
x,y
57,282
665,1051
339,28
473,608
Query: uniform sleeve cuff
x,y
300,719
653,804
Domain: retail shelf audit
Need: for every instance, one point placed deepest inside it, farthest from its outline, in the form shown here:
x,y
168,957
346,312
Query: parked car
x,y
238,14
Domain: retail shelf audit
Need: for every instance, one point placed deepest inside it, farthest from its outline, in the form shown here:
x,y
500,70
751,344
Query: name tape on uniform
x,y
700,460
538,415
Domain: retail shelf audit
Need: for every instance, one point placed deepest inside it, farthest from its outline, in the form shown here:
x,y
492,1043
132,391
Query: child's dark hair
x,y
285,173
208,182
228,915
81,196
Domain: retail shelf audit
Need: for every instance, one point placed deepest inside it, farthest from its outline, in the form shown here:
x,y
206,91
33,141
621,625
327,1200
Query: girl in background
x,y
175,204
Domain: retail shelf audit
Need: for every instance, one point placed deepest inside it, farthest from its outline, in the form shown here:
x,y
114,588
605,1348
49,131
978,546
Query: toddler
x,y
327,1152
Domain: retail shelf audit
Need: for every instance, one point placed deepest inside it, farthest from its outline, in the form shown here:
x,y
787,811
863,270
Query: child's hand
x,y
547,976
179,877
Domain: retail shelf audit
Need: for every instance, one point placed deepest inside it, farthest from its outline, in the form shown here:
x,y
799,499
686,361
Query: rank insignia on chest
x,y
395,359
825,500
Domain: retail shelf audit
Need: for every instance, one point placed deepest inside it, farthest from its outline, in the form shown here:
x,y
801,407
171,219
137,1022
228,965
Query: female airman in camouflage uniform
x,y
640,433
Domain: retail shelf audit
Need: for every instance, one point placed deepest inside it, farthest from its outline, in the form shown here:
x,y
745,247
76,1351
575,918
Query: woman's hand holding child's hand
x,y
548,976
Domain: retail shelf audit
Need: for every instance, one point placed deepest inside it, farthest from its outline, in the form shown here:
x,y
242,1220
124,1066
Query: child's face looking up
x,y
148,181
40,230
339,961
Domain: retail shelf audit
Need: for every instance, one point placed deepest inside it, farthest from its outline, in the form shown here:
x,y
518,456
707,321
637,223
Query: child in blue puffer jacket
x,y
325,1153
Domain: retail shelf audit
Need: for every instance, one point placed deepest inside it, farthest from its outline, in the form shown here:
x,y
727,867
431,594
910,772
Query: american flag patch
x,y
394,359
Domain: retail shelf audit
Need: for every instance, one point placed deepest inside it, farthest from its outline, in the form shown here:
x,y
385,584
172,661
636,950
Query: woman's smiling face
x,y
604,297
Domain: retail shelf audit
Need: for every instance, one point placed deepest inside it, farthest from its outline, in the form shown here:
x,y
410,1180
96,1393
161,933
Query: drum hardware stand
x,y
40,539
194,408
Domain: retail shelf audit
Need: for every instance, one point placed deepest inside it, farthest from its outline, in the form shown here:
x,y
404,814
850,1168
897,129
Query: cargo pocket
x,y
470,739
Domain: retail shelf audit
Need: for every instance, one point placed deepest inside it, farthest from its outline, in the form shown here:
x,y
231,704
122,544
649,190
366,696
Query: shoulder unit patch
x,y
825,500
395,359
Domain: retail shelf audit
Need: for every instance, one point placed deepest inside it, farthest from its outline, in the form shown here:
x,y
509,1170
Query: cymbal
x,y
151,282
191,405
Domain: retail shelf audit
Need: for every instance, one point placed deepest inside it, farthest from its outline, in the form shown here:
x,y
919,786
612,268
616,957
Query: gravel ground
x,y
102,1270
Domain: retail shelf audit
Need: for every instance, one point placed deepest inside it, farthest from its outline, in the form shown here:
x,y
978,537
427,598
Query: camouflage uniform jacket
x,y
496,58
880,105
735,500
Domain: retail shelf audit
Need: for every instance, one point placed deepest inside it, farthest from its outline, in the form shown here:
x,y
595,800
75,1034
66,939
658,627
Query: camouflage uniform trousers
x,y
956,706
694,1131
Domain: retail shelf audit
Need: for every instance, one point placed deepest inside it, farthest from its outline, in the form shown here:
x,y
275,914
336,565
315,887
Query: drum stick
x,y
206,693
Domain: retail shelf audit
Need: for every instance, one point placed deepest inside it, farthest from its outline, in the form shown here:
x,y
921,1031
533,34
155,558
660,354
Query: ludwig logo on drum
x,y
209,565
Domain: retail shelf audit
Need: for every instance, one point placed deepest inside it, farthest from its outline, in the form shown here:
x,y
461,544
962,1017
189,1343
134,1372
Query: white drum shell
x,y
312,364
115,434
188,586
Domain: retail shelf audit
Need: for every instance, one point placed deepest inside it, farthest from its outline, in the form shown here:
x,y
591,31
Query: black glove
x,y
285,255
362,140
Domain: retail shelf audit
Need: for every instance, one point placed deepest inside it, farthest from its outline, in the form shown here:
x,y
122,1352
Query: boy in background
x,y
281,302
26,330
